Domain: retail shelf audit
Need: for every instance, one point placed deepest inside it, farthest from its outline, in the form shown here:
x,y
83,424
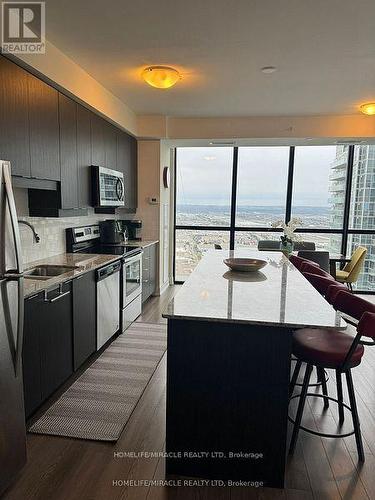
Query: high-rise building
x,y
362,205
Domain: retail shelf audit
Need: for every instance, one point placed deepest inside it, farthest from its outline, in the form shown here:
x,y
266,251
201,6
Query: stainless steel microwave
x,y
107,187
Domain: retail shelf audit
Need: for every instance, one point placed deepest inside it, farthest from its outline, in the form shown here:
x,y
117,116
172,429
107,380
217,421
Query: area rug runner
x,y
99,403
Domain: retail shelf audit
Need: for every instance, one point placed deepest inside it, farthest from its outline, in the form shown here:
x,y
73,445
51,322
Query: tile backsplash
x,y
50,230
52,235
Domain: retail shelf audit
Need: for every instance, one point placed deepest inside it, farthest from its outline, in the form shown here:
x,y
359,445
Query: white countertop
x,y
141,243
278,295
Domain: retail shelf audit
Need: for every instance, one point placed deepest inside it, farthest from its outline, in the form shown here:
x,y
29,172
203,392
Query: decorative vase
x,y
286,247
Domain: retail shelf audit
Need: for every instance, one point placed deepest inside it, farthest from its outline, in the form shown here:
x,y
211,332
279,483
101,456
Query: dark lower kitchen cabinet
x,y
48,344
68,152
127,163
14,117
56,339
149,271
84,156
84,318
31,354
44,130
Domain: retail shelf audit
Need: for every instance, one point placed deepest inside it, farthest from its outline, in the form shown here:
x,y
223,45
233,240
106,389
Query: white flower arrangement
x,y
289,235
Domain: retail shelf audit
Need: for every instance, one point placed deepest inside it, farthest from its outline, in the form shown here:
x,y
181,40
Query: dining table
x,y
229,348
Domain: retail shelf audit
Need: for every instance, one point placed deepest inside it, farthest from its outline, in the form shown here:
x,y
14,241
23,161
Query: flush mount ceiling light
x,y
368,108
268,69
161,77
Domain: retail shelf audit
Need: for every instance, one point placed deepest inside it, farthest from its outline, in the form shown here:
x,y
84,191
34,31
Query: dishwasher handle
x,y
106,271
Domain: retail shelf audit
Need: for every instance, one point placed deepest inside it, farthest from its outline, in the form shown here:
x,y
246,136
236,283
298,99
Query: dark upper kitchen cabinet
x,y
14,117
51,142
127,163
98,134
68,152
84,318
110,140
44,130
84,156
103,143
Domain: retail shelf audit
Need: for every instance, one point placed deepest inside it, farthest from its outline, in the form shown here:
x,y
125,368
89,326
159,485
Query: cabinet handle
x,y
55,299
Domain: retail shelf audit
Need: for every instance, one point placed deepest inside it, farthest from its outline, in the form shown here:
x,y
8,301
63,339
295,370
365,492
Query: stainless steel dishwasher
x,y
108,302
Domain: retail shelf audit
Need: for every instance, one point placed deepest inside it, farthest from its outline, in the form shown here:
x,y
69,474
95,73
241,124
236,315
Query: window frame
x,y
344,231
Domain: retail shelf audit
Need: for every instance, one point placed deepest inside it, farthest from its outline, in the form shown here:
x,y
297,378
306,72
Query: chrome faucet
x,y
36,235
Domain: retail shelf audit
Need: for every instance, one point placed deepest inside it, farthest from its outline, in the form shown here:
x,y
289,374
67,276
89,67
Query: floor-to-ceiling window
x,y
230,196
203,201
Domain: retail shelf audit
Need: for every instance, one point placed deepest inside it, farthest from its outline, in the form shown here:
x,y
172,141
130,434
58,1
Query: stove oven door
x,y
132,278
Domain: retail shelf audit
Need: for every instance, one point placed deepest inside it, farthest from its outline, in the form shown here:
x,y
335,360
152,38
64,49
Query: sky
x,y
204,175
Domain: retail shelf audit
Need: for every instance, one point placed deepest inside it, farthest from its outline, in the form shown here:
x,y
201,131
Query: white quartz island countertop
x,y
278,295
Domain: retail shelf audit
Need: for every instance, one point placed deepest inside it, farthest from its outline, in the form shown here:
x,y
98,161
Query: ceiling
x,y
324,51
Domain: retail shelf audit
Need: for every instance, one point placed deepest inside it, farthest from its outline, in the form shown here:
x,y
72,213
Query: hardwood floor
x,y
68,469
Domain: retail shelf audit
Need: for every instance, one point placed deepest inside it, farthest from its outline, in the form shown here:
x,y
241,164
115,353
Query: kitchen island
x,y
228,366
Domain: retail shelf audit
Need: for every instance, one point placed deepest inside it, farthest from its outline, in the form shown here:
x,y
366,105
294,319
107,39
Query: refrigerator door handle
x,y
19,346
13,216
15,340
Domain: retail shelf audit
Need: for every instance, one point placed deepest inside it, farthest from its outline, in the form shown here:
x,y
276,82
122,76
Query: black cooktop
x,y
125,250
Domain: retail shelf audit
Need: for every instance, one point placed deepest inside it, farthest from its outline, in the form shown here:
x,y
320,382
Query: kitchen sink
x,y
47,271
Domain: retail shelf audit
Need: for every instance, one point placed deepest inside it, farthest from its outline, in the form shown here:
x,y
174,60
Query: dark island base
x,y
227,392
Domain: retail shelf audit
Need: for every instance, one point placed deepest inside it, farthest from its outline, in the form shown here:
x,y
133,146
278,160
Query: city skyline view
x,y
203,198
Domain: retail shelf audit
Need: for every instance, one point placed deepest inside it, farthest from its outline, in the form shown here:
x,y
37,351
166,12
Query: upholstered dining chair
x,y
321,257
299,261
270,245
303,245
352,270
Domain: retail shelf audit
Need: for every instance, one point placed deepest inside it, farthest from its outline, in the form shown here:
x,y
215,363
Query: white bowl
x,y
245,265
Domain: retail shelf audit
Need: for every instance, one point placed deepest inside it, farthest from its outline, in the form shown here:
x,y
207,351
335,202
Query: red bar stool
x,y
308,268
298,261
333,290
321,283
339,351
354,308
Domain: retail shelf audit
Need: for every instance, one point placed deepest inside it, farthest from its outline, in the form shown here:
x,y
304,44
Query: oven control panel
x,y
86,233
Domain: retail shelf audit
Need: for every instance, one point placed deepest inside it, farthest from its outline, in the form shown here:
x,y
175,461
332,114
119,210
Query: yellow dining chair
x,y
351,271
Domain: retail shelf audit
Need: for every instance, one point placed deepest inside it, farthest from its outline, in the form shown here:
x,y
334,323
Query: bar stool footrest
x,y
317,433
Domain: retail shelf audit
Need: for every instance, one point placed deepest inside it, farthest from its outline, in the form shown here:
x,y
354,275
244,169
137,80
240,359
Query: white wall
x,y
261,127
153,155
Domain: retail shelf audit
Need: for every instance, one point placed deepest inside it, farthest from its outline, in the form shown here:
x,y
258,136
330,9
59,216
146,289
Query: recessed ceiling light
x,y
209,158
268,69
368,108
161,77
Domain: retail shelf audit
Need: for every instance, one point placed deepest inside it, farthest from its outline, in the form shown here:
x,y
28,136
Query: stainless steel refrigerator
x,y
12,416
